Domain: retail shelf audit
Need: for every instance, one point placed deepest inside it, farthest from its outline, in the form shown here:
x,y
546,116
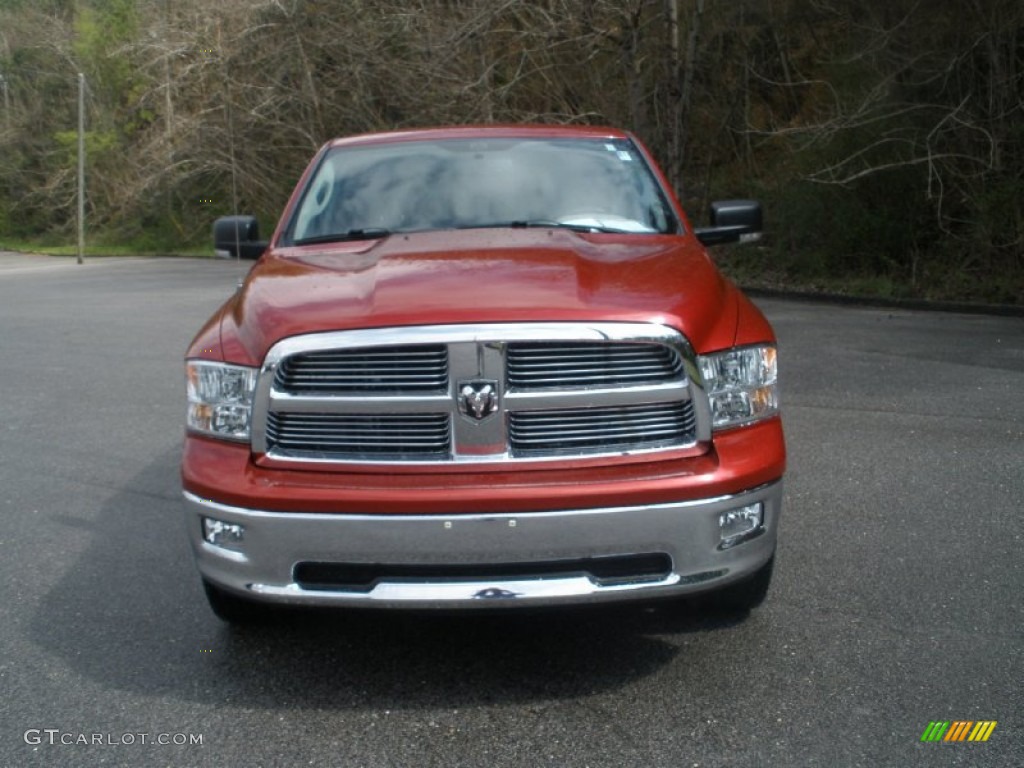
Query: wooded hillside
x,y
885,137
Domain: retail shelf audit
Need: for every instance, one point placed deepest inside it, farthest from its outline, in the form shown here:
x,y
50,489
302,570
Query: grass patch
x,y
752,266
52,247
108,242
762,267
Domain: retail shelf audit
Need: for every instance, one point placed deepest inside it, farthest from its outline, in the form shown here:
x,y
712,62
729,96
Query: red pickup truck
x,y
483,367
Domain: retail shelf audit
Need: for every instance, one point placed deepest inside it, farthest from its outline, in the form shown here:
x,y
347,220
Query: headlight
x,y
741,384
220,398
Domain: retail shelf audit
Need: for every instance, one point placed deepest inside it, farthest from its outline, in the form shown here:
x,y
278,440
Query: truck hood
x,y
479,276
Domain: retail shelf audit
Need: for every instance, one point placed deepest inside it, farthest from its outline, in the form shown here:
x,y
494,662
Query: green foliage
x,y
885,137
96,143
101,34
99,31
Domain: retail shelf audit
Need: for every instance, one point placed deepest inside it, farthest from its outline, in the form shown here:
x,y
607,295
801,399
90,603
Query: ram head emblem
x,y
478,399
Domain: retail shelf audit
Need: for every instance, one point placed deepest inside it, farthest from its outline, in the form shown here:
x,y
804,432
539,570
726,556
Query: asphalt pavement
x,y
897,598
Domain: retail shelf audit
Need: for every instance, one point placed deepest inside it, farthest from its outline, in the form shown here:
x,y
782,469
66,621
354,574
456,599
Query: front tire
x,y
743,596
233,608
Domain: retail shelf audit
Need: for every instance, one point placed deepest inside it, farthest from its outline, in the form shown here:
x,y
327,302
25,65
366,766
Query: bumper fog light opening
x,y
739,525
222,534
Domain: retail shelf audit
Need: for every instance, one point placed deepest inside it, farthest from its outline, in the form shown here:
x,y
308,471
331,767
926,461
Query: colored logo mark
x,y
958,730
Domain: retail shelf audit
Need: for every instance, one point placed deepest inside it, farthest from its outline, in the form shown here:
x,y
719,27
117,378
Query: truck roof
x,y
510,131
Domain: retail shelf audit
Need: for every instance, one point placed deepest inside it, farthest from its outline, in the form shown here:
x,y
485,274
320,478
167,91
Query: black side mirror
x,y
238,236
732,221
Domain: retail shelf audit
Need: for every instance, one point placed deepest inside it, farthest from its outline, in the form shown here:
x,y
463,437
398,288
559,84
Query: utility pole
x,y
81,166
7,103
675,90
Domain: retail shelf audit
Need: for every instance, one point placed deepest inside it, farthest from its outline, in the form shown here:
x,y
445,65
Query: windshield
x,y
598,185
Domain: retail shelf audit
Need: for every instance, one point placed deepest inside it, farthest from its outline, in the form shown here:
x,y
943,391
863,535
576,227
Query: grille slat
x,y
407,368
573,430
352,436
580,435
349,430
543,365
588,430
563,418
583,378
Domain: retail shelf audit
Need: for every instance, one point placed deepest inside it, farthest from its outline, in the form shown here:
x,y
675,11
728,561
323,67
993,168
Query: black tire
x,y
743,596
233,608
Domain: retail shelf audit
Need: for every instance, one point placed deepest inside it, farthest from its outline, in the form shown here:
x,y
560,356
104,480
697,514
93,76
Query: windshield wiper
x,y
369,233
541,223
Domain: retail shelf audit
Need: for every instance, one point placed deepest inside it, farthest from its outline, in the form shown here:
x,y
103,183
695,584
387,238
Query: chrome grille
x,y
353,436
406,394
540,365
420,368
581,430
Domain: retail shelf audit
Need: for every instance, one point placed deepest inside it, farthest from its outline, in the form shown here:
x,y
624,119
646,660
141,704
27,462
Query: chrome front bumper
x,y
263,565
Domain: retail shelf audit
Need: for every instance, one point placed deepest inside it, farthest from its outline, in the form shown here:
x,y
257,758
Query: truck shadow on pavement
x,y
130,614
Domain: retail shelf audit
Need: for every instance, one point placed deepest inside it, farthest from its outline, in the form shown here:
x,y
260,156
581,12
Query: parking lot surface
x,y
897,598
